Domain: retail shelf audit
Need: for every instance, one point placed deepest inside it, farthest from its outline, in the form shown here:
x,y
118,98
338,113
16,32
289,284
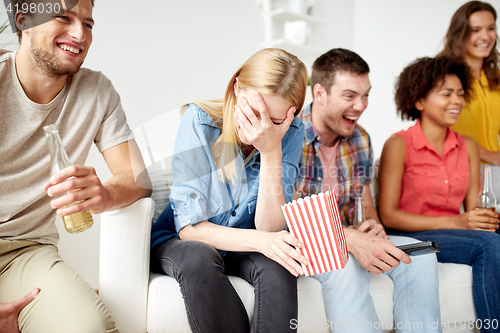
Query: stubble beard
x,y
48,64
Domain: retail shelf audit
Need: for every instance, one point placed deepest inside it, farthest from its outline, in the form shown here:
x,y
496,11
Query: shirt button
x,y
233,213
319,178
446,181
243,181
193,196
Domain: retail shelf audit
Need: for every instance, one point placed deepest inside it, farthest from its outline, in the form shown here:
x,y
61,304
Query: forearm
x,y
404,221
371,213
268,214
123,190
491,157
223,238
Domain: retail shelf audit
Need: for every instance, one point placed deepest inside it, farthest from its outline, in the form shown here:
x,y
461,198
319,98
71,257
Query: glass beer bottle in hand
x,y
486,198
76,222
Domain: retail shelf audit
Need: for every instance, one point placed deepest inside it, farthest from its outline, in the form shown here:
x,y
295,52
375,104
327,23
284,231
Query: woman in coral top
x,y
472,37
428,171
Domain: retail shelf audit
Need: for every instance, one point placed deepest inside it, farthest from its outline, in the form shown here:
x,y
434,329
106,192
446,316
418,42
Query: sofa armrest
x,y
124,264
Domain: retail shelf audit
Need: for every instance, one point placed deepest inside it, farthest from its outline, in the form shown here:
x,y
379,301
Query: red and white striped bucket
x,y
315,221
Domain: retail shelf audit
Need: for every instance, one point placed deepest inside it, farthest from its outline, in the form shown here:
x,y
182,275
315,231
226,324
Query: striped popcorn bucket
x,y
315,221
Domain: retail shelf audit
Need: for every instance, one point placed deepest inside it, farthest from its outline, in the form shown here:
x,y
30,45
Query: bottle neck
x,y
58,155
487,180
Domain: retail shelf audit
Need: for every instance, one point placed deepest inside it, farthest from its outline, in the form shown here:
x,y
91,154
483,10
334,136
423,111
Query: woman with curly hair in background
x,y
428,171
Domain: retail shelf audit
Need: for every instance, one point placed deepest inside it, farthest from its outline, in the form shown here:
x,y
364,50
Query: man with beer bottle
x,y
42,84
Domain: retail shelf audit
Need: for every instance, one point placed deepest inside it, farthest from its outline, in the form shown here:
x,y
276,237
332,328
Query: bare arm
x,y
266,137
491,157
474,182
274,245
391,176
372,223
85,188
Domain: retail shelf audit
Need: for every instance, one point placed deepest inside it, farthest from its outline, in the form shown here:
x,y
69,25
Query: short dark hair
x,y
327,65
19,3
422,76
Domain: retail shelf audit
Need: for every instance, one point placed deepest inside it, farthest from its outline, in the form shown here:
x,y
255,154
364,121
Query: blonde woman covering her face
x,y
235,162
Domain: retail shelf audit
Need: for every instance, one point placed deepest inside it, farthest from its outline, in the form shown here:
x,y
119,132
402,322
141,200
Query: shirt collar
x,y
311,134
420,141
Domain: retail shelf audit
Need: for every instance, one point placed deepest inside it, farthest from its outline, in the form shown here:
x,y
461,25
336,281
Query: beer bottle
x,y
76,222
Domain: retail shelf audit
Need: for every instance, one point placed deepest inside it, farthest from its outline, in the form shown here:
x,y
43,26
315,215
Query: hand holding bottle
x,y
80,189
76,186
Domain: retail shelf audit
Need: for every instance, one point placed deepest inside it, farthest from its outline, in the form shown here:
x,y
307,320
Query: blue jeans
x,y
416,295
481,250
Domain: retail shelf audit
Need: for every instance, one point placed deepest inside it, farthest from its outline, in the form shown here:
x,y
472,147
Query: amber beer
x,y
76,222
486,198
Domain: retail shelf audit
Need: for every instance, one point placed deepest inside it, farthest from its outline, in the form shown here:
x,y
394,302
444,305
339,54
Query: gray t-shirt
x,y
87,110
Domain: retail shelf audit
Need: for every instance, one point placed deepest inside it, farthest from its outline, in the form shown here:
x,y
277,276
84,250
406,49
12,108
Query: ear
x,y
419,105
319,93
235,86
21,21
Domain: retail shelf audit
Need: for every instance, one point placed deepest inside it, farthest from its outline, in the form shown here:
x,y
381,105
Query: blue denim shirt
x,y
198,194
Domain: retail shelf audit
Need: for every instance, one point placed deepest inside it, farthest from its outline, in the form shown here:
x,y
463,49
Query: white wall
x,y
389,34
163,53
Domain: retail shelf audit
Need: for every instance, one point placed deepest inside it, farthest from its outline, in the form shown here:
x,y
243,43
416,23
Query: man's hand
x,y
85,191
9,312
374,253
372,227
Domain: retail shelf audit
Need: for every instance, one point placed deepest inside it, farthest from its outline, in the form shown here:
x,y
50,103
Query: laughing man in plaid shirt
x,y
338,156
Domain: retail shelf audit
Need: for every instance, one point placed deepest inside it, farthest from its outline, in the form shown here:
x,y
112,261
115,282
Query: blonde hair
x,y
269,71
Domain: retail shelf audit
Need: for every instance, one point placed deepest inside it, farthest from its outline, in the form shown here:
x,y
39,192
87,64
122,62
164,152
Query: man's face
x,y
60,46
345,103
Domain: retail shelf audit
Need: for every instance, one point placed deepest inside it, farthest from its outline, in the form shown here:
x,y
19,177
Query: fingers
x,y
289,118
280,251
262,107
486,212
71,171
247,111
485,226
398,255
21,303
367,226
296,255
483,219
285,260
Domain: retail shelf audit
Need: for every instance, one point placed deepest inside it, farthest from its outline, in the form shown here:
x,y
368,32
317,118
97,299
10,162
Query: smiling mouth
x,y
454,111
350,119
483,46
69,48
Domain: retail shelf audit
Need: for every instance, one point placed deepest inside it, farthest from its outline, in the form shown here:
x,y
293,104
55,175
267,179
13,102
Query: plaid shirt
x,y
353,166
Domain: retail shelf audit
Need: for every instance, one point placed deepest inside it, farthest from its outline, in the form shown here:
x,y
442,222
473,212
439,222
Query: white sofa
x,y
140,301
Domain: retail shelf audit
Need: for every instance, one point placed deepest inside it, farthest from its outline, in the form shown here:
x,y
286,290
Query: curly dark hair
x,y
327,65
422,76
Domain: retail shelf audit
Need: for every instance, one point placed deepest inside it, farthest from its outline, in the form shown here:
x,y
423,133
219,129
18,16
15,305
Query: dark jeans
x,y
212,304
481,250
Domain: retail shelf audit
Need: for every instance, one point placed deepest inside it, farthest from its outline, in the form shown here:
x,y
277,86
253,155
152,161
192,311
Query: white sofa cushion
x,y
166,312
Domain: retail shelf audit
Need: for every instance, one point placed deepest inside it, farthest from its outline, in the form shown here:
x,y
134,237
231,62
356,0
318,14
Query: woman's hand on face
x,y
479,219
257,126
276,246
